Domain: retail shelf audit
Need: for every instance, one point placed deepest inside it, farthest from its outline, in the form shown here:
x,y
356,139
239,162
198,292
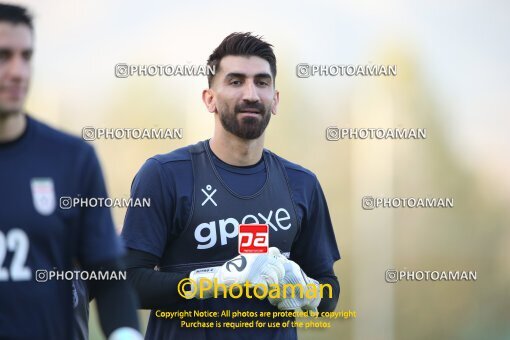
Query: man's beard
x,y
9,110
248,127
7,114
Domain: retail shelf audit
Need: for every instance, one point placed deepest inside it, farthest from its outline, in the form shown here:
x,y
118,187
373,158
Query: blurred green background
x,y
453,73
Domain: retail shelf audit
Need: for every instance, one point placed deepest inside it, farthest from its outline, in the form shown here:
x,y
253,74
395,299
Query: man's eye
x,y
263,83
4,55
27,55
235,82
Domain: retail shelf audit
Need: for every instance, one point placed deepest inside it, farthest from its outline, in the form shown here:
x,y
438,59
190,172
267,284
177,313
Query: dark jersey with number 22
x,y
36,235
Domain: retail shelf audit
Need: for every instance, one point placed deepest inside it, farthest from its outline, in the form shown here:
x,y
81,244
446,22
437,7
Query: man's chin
x,y
6,111
249,134
249,120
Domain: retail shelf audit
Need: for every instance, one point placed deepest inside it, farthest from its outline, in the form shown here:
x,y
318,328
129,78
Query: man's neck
x,y
12,126
236,151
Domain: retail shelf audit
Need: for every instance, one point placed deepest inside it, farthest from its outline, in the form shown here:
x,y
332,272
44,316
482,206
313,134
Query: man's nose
x,y
18,68
250,93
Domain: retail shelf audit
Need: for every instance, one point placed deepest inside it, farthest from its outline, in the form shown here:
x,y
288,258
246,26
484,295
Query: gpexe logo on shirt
x,y
253,238
208,234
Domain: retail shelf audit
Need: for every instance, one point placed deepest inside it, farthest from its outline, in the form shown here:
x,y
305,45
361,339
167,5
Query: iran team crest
x,y
43,195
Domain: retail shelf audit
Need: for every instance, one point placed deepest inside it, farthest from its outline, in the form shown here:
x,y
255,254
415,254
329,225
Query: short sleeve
x,y
98,240
146,228
315,249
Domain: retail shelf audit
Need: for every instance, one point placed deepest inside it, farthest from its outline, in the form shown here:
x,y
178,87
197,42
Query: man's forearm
x,y
328,304
155,289
116,301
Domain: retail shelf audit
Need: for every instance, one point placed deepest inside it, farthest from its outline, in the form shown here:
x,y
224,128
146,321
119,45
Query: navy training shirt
x,y
197,202
36,170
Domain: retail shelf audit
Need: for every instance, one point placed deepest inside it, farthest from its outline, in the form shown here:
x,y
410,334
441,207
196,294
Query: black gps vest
x,y
210,235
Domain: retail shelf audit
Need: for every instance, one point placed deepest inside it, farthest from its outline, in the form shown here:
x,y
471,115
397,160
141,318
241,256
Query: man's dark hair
x,y
242,44
15,15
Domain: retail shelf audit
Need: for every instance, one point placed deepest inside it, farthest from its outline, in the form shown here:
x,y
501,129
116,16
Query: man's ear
x,y
209,100
276,101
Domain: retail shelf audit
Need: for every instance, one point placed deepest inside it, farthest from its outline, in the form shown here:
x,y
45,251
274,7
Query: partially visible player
x,y
81,308
201,193
39,164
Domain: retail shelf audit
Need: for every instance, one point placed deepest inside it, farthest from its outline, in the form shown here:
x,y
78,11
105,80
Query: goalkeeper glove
x,y
125,333
257,269
296,293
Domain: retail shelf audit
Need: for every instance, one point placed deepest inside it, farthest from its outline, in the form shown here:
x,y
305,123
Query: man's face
x,y
15,70
244,95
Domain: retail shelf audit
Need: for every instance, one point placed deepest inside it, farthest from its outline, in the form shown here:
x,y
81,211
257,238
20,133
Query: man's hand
x,y
263,269
297,297
125,333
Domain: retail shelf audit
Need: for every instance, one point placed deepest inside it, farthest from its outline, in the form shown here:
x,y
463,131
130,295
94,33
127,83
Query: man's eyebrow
x,y
263,75
11,50
235,75
242,75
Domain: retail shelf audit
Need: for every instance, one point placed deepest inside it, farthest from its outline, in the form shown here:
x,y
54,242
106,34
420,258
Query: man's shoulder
x,y
293,167
177,155
175,163
172,168
296,171
56,139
